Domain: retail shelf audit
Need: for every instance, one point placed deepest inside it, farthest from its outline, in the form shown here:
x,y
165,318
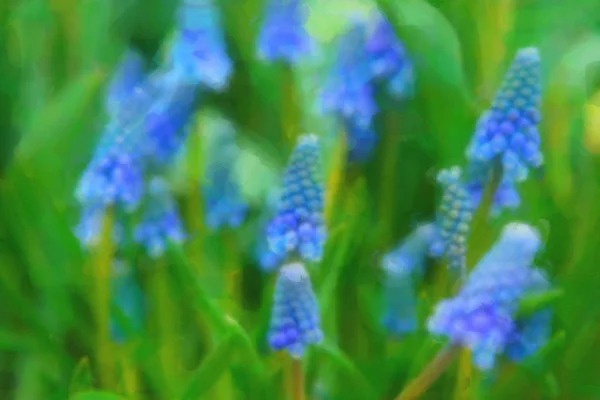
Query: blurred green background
x,y
198,341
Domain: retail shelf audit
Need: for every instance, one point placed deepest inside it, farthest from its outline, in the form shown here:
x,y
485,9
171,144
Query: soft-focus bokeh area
x,y
87,315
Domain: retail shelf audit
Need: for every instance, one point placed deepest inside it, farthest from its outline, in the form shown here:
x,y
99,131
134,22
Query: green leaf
x,y
96,395
57,120
435,50
82,377
532,303
211,369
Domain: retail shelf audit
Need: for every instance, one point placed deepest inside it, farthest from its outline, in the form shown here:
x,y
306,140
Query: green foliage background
x,y
205,335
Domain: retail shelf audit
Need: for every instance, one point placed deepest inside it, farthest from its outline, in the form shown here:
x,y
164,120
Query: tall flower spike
x,y
223,198
389,60
453,220
295,322
167,122
404,268
129,74
298,226
481,316
160,221
199,52
128,297
348,90
114,176
507,135
282,36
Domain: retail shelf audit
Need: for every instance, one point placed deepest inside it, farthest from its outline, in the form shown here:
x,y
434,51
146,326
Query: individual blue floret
x,y
128,297
404,268
507,140
295,321
453,220
361,142
129,75
167,122
89,229
199,52
348,90
282,36
298,226
389,60
160,221
481,316
224,204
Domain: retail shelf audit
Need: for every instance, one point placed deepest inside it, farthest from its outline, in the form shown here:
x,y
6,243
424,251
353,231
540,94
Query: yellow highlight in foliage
x,y
334,179
592,125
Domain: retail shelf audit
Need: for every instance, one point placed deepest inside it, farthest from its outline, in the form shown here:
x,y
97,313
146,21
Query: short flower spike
x,y
348,91
389,60
224,204
295,321
404,268
481,316
298,226
199,52
282,36
453,220
160,220
507,135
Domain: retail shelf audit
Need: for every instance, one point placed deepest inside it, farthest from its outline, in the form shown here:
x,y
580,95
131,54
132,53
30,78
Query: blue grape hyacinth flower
x,y
127,296
295,321
453,220
167,122
199,52
388,58
404,268
361,141
160,222
282,36
129,75
506,138
482,315
298,226
348,90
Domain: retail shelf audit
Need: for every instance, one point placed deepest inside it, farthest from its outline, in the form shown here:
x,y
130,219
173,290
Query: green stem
x,y
430,374
297,380
289,105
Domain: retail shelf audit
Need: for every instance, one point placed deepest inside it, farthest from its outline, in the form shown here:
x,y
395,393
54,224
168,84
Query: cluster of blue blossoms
x,y
483,315
369,57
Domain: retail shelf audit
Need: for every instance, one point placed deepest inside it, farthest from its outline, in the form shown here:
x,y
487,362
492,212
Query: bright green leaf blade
x,y
96,395
82,377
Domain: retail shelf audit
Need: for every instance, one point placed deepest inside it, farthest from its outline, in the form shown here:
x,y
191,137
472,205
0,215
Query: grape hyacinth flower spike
x,y
507,141
199,54
404,268
483,317
295,320
224,204
298,226
129,75
282,36
160,221
389,61
453,220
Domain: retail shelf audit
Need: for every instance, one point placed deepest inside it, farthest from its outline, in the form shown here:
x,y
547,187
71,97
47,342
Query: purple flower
x,y
481,316
298,226
295,321
282,36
